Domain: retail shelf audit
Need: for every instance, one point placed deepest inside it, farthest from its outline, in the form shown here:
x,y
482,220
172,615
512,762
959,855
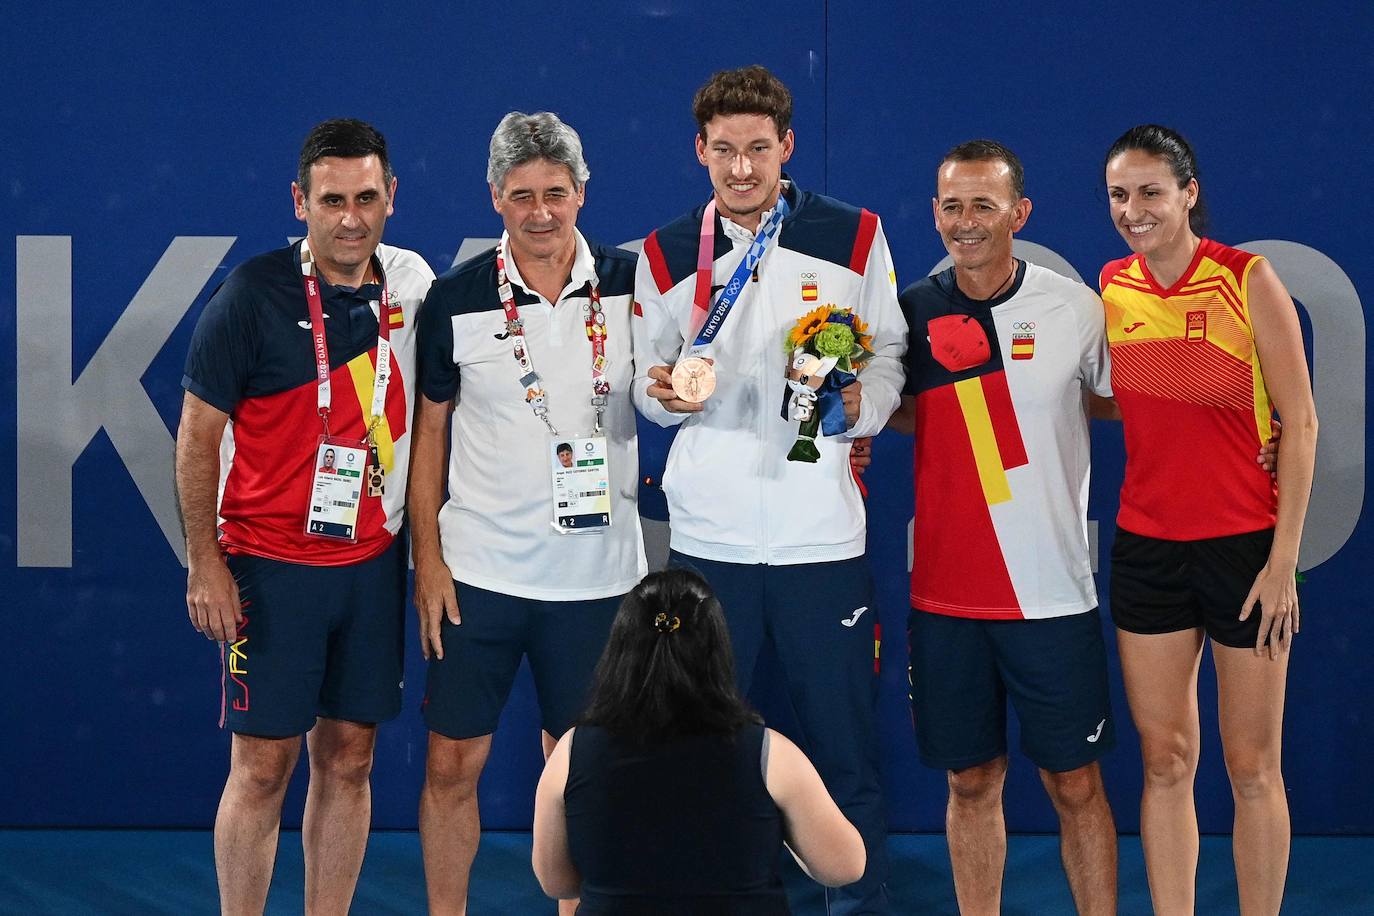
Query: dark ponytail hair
x,y
668,669
1170,146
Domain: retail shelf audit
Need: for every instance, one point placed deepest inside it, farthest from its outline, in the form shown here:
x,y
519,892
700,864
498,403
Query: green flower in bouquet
x,y
834,340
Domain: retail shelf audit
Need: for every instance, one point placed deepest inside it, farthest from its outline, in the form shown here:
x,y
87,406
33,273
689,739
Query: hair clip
x,y
665,624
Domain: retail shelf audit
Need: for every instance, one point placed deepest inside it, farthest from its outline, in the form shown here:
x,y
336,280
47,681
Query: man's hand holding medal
x,y
683,388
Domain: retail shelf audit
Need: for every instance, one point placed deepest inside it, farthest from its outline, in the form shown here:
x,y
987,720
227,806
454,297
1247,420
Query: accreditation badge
x,y
336,489
581,484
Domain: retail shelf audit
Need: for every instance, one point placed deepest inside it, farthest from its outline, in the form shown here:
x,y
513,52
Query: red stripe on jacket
x,y
863,241
662,278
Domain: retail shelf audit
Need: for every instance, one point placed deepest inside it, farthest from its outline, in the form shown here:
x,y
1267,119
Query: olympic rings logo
x,y
1023,326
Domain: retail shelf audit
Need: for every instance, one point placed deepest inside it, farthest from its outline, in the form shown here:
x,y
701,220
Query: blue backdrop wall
x,y
149,153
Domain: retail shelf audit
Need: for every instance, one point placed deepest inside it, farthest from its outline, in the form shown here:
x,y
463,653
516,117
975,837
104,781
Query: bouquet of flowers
x,y
828,347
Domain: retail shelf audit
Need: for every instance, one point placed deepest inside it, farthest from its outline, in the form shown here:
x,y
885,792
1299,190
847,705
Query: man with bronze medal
x,y
526,363
781,542
298,370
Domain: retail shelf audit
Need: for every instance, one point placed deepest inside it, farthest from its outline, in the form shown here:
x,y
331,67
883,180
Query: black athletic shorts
x,y
1160,586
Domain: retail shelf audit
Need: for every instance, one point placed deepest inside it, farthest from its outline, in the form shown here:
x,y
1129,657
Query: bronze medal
x,y
693,379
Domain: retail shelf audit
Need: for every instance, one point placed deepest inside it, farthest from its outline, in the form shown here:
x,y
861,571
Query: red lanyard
x,y
592,316
382,376
706,259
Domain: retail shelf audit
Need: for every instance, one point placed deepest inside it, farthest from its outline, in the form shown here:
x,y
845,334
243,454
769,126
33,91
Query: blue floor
x,y
73,872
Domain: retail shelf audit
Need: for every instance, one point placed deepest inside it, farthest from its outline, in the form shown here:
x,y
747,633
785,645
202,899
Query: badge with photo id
x,y
581,484
336,489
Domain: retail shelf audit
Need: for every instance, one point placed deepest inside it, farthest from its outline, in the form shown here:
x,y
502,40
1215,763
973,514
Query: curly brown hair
x,y
747,90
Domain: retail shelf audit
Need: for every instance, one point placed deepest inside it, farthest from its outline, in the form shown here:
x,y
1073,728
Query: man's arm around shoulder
x,y
882,377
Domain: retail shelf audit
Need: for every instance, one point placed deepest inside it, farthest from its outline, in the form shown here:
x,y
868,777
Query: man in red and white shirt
x,y
289,429
1003,358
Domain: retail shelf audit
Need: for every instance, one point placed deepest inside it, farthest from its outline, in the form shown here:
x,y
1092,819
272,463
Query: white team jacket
x,y
732,494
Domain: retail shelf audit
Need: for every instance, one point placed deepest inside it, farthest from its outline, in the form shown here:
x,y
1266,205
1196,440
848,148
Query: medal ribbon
x,y
594,319
710,318
381,377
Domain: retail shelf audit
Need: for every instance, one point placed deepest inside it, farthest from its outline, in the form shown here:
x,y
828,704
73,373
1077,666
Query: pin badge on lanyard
x,y
594,319
579,465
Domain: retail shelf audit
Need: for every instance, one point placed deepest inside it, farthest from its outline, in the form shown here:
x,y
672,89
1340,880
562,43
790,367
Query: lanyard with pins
x,y
594,319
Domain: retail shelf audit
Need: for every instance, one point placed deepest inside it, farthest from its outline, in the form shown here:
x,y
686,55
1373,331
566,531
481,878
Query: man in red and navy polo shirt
x,y
291,469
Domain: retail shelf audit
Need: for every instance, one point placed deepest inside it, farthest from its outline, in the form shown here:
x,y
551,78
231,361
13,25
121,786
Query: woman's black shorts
x,y
1160,586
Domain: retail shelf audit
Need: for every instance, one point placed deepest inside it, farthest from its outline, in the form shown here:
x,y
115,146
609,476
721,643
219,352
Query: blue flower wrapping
x,y
829,402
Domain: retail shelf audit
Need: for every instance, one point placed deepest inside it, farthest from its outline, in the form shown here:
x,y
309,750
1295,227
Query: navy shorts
x,y
564,640
1161,586
315,641
1054,670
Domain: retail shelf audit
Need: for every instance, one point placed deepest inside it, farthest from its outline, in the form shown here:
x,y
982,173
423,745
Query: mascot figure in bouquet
x,y
829,346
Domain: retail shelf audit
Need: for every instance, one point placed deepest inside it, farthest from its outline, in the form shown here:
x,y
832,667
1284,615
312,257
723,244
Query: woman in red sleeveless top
x,y
1205,344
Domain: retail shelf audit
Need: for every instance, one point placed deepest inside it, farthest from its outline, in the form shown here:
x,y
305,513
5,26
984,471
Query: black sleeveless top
x,y
678,827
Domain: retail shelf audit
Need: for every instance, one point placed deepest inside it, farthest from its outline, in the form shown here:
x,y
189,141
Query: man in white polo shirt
x,y
539,537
